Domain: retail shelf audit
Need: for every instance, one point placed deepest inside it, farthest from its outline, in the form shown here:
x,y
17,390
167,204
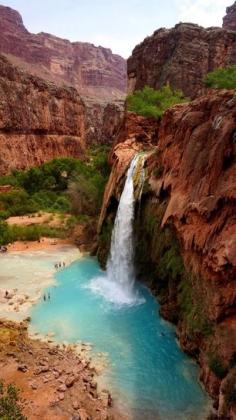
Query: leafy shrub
x,y
62,185
17,203
9,403
149,102
12,233
4,214
4,234
222,78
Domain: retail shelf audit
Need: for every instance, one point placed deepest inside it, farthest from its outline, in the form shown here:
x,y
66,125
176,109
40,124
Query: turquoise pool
x,y
148,375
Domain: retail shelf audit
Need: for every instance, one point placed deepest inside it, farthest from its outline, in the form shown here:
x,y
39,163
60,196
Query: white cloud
x,y
204,12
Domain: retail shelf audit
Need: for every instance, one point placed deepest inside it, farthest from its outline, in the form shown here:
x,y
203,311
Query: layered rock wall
x,y
181,56
38,120
94,71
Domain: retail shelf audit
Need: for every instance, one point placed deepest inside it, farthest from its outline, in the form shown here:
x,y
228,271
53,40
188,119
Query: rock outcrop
x,y
185,231
38,120
93,71
54,382
181,56
229,21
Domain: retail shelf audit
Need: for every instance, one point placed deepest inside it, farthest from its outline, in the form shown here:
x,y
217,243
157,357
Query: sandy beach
x,y
27,269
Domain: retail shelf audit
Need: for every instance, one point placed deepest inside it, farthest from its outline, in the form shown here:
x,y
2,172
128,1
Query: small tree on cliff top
x,y
149,102
222,78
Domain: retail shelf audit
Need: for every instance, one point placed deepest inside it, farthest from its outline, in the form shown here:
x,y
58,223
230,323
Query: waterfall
x,y
118,284
120,267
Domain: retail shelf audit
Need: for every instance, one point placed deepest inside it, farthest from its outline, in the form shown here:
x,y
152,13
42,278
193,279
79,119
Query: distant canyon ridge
x,y
93,71
57,97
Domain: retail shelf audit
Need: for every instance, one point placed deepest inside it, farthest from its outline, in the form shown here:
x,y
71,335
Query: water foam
x,y
114,292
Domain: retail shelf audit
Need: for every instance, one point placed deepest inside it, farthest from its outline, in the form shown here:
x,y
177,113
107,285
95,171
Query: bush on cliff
x,y
9,403
222,78
152,103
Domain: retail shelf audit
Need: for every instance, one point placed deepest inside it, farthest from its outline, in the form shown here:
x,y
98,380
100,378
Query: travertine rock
x,y
191,185
181,56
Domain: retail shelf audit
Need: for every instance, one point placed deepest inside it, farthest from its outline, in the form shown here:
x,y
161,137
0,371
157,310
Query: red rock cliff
x,y
53,109
38,120
190,197
229,21
94,71
181,56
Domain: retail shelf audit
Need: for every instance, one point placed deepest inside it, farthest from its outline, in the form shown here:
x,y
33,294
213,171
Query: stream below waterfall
x,y
147,373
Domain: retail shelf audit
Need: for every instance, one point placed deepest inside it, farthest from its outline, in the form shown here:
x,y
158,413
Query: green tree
x,y
149,102
9,403
222,78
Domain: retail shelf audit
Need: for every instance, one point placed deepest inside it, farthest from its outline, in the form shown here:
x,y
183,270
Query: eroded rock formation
x,y
181,56
38,120
94,71
186,230
229,21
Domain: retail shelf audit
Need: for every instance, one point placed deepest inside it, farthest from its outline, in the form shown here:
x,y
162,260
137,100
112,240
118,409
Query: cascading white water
x,y
117,285
120,267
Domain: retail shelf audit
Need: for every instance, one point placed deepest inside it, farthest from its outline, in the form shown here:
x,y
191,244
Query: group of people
x,y
46,297
60,265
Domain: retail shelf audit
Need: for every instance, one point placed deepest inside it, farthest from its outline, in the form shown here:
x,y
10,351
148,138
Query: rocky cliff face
x,y
186,230
229,21
36,114
38,121
94,71
181,56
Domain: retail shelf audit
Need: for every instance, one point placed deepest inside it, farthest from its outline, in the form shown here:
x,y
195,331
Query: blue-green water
x,y
149,376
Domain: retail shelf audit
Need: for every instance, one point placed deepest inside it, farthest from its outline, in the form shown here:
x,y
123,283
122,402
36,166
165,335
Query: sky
x,y
116,24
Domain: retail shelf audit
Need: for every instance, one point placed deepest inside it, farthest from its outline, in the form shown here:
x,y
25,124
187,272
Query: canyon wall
x,y
93,71
185,229
181,56
38,120
57,98
229,20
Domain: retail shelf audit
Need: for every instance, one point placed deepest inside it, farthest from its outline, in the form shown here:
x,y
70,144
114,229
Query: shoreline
x,y
28,268
54,381
58,399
